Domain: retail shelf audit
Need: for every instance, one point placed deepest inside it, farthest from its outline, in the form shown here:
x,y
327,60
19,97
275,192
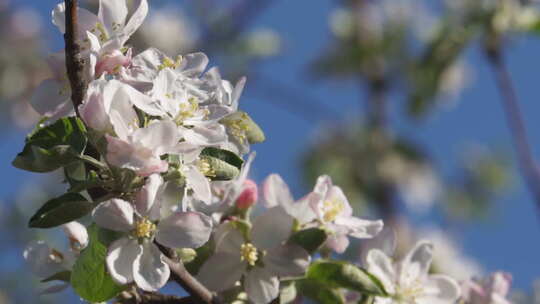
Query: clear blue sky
x,y
509,241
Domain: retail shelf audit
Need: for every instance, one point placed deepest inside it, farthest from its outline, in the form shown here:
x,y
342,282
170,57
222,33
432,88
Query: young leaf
x,y
338,274
310,239
319,292
61,210
53,146
224,155
89,277
63,276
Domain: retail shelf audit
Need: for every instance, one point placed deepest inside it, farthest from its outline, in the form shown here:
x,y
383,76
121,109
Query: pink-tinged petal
x,y
360,228
114,214
38,255
139,159
184,230
337,242
112,13
439,289
57,64
228,239
200,185
499,283
289,260
301,210
138,99
49,97
111,62
150,272
193,64
136,20
158,136
276,220
416,264
249,195
221,271
120,259
380,265
323,185
276,192
261,286
147,201
77,234
93,113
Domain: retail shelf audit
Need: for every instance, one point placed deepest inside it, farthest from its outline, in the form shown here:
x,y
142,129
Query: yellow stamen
x,y
144,228
205,167
249,253
331,209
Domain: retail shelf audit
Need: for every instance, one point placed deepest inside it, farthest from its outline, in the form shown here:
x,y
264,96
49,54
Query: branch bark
x,y
526,160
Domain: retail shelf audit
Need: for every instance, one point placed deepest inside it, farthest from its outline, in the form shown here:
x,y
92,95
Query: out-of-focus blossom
x,y
492,290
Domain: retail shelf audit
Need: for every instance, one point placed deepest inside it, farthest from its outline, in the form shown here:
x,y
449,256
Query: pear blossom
x,y
408,281
261,259
134,257
492,290
335,214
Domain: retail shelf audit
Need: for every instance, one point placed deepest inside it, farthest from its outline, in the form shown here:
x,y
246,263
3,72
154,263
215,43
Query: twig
x,y
527,163
74,61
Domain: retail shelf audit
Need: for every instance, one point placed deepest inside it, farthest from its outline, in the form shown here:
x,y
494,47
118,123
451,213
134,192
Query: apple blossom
x,y
492,290
134,257
408,281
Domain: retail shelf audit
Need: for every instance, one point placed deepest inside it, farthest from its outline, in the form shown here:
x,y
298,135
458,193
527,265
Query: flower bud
x,y
249,194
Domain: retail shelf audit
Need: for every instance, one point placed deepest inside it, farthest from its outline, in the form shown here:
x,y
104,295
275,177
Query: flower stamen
x,y
249,253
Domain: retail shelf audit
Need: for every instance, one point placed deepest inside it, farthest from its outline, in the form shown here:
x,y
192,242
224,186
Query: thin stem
x,y
514,117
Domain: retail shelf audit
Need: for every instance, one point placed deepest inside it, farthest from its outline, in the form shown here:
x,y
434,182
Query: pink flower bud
x,y
111,63
249,194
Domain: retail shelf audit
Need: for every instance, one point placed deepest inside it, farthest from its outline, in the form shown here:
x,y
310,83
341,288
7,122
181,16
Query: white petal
x,y
221,271
135,157
77,232
93,113
337,242
417,262
380,265
147,201
206,136
112,13
276,192
336,195
440,289
160,136
228,239
120,258
261,286
360,228
136,19
277,221
193,64
139,99
238,88
86,19
49,97
114,214
38,256
184,230
200,185
149,270
289,260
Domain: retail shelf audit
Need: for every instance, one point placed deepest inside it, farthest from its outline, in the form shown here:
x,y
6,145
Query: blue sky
x,y
510,240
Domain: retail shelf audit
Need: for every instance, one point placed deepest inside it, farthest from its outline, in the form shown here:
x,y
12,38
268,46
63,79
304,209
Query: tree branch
x,y
527,163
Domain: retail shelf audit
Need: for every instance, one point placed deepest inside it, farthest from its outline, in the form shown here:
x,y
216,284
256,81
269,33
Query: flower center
x,y
144,228
408,293
238,128
331,209
249,253
169,63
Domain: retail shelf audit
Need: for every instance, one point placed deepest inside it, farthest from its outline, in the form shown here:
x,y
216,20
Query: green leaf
x,y
61,210
366,299
89,277
224,155
242,126
319,292
64,276
79,179
310,239
203,253
53,146
287,293
338,274
220,170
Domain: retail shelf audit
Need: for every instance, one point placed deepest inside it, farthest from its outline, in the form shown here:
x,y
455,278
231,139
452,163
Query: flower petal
x,y
76,232
200,185
136,19
380,265
184,230
416,264
193,64
221,271
120,258
289,260
276,220
337,242
49,97
159,136
439,289
112,14
360,228
147,201
228,239
40,260
276,192
261,286
114,214
150,272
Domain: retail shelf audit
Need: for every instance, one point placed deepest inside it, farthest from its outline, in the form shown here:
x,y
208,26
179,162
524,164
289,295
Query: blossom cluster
x,y
171,142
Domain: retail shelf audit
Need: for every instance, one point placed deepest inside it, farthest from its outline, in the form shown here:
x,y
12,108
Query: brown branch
x,y
74,61
526,161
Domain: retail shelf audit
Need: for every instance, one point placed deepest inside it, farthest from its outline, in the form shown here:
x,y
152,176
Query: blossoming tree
x,y
156,154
